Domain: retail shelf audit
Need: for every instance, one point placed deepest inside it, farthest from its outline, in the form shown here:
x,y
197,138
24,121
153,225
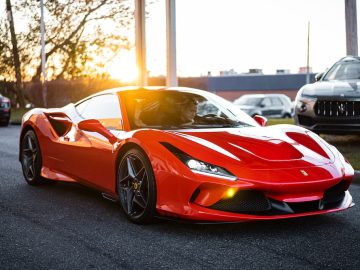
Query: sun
x,y
124,68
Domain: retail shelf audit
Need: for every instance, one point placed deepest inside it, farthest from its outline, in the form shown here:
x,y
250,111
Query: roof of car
x,y
264,95
149,88
349,58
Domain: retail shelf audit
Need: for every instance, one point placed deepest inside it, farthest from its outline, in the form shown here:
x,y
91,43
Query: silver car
x,y
268,105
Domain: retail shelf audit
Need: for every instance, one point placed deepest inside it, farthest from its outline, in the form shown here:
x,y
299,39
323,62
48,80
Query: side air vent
x,y
60,123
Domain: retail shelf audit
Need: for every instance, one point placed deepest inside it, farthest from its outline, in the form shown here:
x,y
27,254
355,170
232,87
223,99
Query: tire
x,y
136,187
31,160
286,115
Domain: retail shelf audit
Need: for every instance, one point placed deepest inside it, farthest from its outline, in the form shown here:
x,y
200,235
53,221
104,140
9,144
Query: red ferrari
x,y
184,153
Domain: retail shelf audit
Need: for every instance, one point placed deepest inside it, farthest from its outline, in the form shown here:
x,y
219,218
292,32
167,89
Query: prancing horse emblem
x,y
341,108
304,173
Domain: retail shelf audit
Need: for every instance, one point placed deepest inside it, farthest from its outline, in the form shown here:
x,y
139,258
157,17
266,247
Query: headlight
x,y
303,101
198,166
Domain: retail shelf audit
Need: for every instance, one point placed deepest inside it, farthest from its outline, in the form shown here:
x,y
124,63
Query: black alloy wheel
x,y
136,187
30,158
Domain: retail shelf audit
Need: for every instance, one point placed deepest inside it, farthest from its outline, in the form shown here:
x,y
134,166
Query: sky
x,y
220,35
217,35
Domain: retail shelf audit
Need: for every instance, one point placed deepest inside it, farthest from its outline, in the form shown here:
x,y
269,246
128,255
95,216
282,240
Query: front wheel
x,y
136,187
30,158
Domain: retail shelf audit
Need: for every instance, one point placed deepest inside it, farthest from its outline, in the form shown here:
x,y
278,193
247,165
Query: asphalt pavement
x,y
67,226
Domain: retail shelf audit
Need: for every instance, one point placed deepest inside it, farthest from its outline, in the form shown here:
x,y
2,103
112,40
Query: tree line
x,y
82,37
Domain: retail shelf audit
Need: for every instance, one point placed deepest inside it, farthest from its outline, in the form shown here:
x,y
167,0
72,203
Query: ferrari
x,y
182,153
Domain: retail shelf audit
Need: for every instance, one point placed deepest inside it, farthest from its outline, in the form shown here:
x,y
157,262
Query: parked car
x,y
332,104
184,153
269,105
5,110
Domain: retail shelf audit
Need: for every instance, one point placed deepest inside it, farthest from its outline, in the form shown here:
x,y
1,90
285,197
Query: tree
x,y
15,55
81,37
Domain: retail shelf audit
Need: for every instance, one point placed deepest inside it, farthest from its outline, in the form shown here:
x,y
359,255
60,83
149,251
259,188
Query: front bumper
x,y
4,115
202,214
236,201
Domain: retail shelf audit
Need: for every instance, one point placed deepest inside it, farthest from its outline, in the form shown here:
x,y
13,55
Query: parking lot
x,y
67,226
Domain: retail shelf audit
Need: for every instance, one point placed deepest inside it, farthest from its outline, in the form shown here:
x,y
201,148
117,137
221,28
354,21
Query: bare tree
x,y
15,55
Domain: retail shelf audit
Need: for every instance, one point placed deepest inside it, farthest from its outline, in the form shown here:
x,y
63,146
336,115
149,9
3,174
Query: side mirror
x,y
261,120
318,76
94,125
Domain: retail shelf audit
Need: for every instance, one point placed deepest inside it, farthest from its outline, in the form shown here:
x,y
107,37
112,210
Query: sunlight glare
x,y
124,68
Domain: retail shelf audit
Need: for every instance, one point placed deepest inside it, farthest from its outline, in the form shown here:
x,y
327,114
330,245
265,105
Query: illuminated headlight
x,y
198,166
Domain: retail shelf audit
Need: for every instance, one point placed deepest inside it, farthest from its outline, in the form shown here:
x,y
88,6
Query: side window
x,y
206,107
266,102
276,101
104,108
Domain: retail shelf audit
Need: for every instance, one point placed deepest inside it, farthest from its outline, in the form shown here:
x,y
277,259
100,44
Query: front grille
x,y
333,108
244,201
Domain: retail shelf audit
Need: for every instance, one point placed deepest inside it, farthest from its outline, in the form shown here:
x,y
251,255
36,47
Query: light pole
x,y
140,43
171,78
43,57
351,28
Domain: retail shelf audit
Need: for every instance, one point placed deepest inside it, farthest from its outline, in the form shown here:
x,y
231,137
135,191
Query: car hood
x,y
333,89
274,147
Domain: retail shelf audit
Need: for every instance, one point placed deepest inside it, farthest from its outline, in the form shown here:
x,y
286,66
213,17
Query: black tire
x,y
136,187
31,160
287,115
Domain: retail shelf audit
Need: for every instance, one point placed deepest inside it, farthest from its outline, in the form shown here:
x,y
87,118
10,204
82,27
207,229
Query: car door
x,y
89,155
276,107
265,107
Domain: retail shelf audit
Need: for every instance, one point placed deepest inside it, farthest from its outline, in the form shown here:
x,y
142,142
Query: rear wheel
x,y
31,160
136,187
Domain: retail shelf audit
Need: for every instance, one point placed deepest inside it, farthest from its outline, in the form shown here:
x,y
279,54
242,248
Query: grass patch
x,y
275,121
17,114
348,145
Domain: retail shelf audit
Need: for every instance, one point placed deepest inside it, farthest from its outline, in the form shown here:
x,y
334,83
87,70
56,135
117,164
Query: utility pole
x,y
16,58
351,28
43,57
140,41
171,78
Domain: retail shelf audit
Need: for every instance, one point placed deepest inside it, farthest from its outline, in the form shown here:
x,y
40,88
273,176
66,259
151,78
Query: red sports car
x,y
184,153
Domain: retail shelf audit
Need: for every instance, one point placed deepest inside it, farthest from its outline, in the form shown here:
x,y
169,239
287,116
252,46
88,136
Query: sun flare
x,y
124,68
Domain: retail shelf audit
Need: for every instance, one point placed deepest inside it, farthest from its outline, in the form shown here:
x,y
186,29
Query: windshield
x,y
172,109
246,100
344,71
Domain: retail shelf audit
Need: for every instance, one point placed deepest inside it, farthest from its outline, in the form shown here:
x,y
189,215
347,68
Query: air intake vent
x,y
244,201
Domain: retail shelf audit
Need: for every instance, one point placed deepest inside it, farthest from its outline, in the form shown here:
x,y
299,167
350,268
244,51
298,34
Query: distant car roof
x,y
350,58
264,95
